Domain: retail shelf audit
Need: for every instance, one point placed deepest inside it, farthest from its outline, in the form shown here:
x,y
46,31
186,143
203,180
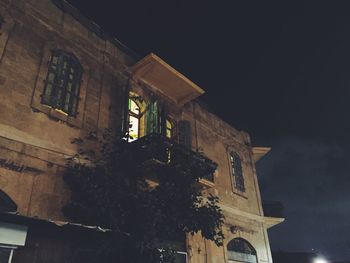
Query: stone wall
x,y
33,135
35,140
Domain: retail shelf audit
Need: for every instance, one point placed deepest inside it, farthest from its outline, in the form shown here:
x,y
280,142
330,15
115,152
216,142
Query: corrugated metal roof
x,y
15,217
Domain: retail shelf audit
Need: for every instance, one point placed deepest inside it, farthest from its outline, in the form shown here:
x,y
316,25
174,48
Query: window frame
x,y
172,130
72,62
240,187
137,116
56,114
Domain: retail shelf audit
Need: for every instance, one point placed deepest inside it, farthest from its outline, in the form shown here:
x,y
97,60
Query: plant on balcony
x,y
110,189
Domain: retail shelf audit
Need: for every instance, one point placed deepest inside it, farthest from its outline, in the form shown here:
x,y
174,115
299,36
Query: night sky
x,y
280,71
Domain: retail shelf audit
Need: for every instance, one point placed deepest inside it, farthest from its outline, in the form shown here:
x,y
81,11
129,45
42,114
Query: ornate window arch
x,y
239,249
237,171
62,84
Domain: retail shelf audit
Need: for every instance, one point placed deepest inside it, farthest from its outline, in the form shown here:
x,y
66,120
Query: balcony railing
x,y
157,148
273,209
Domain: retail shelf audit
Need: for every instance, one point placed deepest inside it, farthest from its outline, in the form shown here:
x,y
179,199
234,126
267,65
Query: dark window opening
x,y
5,255
2,21
236,167
6,203
62,84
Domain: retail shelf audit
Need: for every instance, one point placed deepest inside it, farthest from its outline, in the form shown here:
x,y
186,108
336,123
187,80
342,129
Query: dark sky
x,y
279,70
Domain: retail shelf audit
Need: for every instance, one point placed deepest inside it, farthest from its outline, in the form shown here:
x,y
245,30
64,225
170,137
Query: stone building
x,y
62,77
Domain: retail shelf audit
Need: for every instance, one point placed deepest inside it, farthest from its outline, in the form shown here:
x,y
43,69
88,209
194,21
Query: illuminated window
x,y
240,250
237,174
62,84
169,129
134,120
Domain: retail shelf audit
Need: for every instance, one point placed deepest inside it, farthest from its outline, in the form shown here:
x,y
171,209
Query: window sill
x,y
240,194
57,115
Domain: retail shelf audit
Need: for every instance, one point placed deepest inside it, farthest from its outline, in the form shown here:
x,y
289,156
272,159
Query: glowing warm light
x,y
320,260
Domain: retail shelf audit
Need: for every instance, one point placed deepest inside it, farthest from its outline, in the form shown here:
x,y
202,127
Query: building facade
x,y
62,77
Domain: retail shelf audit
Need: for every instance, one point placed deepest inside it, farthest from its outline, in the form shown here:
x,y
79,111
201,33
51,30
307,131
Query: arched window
x,y
62,84
134,119
241,250
237,174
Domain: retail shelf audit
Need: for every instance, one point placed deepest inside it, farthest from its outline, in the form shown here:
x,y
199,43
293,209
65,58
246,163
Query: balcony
x,y
157,149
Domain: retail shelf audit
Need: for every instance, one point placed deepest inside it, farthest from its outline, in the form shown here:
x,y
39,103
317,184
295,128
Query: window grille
x,y
62,84
236,167
152,117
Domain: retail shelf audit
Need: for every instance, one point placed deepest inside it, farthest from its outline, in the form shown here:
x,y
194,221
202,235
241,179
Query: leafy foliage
x,y
110,184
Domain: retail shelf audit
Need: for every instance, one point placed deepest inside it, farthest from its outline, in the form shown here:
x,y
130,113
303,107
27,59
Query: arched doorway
x,y
240,250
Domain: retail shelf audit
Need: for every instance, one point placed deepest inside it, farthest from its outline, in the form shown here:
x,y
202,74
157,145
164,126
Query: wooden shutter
x,y
185,134
152,117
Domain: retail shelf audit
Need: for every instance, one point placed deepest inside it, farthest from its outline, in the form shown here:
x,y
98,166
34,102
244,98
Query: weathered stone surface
x,y
35,139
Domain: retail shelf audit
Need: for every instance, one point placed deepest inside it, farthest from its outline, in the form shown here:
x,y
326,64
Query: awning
x,y
259,152
161,77
28,221
12,234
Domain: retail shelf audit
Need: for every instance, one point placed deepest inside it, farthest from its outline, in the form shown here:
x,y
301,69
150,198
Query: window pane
x,y
133,107
66,104
73,107
134,128
54,60
169,129
69,86
169,125
63,80
47,95
51,77
237,173
169,133
76,88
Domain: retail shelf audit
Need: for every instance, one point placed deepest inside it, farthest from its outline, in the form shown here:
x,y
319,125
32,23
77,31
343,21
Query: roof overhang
x,y
272,221
162,78
259,152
